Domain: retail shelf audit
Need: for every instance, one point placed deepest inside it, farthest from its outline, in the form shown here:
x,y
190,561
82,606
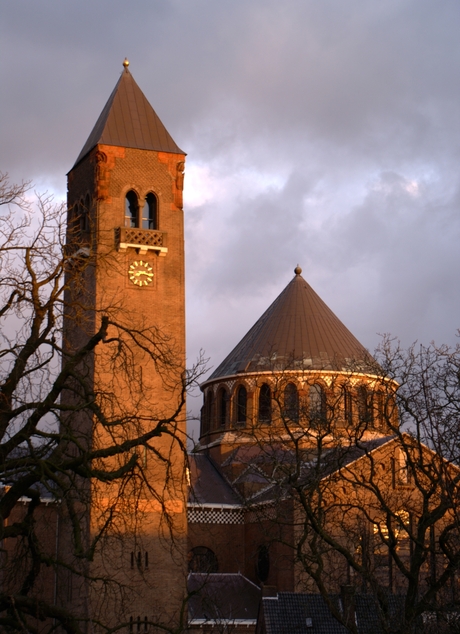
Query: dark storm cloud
x,y
325,133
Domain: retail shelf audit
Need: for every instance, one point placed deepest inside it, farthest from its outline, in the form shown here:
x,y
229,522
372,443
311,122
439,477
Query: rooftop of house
x,y
219,597
290,612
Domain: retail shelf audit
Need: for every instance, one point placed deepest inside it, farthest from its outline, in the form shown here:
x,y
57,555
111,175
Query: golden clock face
x,y
140,273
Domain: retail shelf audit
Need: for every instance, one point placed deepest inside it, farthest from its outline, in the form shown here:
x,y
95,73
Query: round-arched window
x,y
291,402
347,406
149,212
202,559
131,209
365,406
75,218
265,404
241,405
379,409
206,412
222,407
317,404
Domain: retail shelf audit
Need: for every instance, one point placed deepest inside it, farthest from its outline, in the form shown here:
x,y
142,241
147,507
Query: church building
x,y
302,498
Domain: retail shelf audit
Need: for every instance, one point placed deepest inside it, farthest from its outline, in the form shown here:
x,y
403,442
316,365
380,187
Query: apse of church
x,y
298,381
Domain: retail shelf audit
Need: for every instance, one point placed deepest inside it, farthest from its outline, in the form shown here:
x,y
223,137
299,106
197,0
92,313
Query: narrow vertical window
x,y
131,621
291,402
206,412
364,406
317,398
265,404
149,212
263,563
399,469
84,216
146,624
379,418
223,407
347,407
75,219
131,209
241,405
132,559
210,409
403,467
203,426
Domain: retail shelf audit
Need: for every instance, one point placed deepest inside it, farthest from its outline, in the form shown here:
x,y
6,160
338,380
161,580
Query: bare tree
x,y
353,476
67,440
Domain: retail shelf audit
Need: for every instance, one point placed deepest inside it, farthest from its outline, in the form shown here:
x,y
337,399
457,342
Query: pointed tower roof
x,y
297,332
128,120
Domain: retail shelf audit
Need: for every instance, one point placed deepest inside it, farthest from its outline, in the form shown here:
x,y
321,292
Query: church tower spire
x,y
128,120
125,215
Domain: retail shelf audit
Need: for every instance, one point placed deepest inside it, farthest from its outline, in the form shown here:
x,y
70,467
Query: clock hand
x,y
138,273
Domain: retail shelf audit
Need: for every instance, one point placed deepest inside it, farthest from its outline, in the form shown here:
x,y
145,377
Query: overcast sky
x,y
318,132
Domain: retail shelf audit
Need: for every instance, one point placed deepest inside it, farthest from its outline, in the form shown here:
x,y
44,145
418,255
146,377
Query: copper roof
x,y
297,332
128,120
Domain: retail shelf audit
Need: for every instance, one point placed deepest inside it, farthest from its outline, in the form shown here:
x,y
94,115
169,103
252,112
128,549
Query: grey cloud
x,y
335,108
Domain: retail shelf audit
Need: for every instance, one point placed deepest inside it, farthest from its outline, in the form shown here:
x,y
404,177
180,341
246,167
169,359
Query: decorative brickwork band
x,y
200,515
142,239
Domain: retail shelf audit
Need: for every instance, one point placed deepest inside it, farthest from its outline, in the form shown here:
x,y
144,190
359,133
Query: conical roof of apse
x,y
297,332
128,120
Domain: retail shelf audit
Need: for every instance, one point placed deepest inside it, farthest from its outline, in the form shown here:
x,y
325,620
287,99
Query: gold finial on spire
x,y
297,270
126,63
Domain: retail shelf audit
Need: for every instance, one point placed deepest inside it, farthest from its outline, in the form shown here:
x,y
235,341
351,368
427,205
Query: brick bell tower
x,y
125,195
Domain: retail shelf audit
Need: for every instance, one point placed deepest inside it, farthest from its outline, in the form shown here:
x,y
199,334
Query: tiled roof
x,y
309,613
207,484
288,613
219,597
297,332
128,120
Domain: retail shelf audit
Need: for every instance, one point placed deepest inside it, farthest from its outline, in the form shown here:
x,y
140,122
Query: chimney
x,y
347,594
